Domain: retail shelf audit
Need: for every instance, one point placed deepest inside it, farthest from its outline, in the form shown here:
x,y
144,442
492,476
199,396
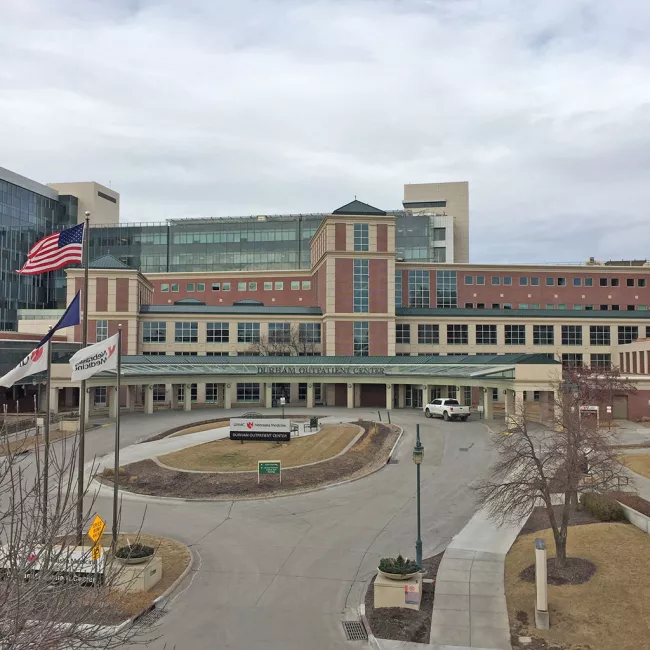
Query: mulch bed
x,y
370,452
400,624
633,501
538,520
577,571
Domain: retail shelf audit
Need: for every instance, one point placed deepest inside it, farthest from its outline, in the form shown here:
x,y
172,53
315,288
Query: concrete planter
x,y
397,576
636,518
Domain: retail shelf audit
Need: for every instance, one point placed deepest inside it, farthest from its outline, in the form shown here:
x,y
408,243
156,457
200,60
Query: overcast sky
x,y
216,107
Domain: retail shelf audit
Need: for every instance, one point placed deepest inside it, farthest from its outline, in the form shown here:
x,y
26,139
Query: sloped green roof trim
x,y
358,207
531,314
109,262
231,310
470,359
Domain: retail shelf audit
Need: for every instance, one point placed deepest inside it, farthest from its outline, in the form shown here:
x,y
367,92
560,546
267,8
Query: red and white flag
x,y
55,251
35,361
95,358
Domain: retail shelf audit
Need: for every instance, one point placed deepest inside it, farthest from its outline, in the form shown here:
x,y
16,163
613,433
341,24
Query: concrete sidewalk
x,y
469,607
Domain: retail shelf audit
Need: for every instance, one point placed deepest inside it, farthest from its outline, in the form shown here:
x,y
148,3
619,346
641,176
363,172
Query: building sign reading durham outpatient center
x,y
320,370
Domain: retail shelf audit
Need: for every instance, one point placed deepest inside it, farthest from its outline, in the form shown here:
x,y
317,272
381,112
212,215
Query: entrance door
x,y
281,390
340,395
413,396
619,407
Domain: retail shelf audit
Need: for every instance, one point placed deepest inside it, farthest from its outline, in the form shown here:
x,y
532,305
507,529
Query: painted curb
x,y
390,455
160,601
136,496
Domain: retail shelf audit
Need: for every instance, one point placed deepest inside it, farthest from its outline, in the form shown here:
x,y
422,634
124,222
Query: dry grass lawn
x,y
28,443
639,463
231,455
201,427
610,612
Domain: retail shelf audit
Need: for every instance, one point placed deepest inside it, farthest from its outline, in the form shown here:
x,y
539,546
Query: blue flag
x,y
71,317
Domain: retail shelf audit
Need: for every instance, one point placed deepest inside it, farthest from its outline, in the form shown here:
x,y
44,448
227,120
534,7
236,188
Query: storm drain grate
x,y
354,631
151,617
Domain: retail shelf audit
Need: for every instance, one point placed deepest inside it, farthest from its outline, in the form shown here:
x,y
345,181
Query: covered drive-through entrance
x,y
151,382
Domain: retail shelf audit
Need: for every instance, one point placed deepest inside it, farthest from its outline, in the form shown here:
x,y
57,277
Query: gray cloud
x,y
201,108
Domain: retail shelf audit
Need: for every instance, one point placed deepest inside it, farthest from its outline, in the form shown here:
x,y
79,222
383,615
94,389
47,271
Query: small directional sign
x,y
269,467
96,529
96,552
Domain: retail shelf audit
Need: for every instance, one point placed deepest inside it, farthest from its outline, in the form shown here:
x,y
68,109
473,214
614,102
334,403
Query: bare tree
x,y
287,342
555,464
51,595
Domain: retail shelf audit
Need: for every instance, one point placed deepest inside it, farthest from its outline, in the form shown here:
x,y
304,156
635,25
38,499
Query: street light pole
x,y
418,456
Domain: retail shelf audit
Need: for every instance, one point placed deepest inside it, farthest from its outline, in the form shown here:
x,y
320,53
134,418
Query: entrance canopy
x,y
474,367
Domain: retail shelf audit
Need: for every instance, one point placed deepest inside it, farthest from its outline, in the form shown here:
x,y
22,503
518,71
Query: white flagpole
x,y
82,390
116,469
46,437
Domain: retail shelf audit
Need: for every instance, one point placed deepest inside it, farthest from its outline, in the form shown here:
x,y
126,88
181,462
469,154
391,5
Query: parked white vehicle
x,y
447,409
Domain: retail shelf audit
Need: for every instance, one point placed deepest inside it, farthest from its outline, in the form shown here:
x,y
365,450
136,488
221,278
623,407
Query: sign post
x,y
268,467
95,533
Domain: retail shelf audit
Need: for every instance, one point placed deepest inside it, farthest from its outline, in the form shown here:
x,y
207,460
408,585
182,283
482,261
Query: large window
x,y
571,360
100,395
446,289
428,334
310,332
279,332
419,288
248,392
217,333
457,334
180,392
486,335
600,335
398,288
101,330
402,333
361,304
154,332
515,335
543,335
361,339
361,237
601,360
572,335
186,332
627,333
248,332
159,393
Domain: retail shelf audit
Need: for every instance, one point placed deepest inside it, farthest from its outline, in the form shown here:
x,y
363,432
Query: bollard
x,y
388,415
379,414
541,582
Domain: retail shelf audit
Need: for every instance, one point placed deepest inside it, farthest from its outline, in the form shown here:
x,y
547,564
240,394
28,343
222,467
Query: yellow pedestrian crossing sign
x,y
96,529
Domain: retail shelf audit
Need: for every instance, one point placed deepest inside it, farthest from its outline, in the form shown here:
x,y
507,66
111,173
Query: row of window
x,y
551,305
190,287
188,332
497,280
516,334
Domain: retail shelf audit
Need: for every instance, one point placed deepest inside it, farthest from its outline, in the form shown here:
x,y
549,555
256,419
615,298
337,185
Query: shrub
x,y
602,507
398,565
134,551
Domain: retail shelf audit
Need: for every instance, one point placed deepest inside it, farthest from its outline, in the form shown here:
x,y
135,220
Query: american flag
x,y
55,251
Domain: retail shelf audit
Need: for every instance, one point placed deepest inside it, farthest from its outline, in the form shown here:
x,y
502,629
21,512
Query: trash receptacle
x,y
313,423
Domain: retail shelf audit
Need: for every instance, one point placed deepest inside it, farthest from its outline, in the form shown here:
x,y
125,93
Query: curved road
x,y
283,573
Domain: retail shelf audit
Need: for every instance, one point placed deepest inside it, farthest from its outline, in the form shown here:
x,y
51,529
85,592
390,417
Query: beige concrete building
x,y
102,202
445,199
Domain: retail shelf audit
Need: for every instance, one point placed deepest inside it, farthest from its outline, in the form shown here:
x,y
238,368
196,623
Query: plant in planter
x,y
134,553
398,568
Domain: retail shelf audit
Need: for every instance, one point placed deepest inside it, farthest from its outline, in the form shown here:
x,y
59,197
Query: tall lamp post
x,y
418,456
